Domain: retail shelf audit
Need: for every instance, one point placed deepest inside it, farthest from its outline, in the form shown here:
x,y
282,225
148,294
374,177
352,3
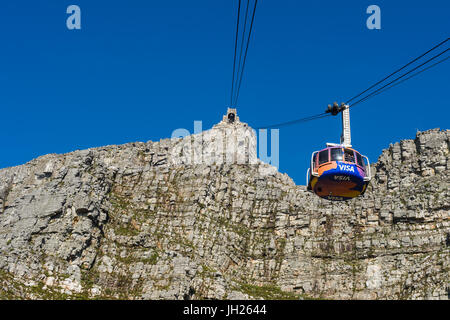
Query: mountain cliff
x,y
163,220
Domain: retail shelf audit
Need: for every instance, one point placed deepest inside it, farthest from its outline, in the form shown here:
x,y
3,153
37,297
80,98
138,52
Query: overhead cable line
x,y
306,119
245,54
398,70
235,49
413,75
398,78
384,88
242,45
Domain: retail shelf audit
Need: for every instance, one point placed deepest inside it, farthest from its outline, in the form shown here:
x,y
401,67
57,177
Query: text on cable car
x,y
346,167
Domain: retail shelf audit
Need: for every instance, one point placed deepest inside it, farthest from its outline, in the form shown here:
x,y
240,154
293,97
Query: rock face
x,y
140,221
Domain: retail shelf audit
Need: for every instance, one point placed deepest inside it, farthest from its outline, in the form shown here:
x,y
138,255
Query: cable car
x,y
339,172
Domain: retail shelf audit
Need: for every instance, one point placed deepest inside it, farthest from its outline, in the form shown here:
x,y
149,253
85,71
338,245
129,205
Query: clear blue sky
x,y
137,70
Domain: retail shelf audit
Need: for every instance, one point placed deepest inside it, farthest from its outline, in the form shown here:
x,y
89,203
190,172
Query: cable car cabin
x,y
338,173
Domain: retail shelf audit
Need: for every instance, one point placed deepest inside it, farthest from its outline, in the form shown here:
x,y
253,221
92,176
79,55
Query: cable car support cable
x,y
398,70
242,45
245,54
235,49
288,123
398,78
411,76
336,109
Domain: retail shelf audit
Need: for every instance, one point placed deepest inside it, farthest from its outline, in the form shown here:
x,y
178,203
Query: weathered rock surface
x,y
134,222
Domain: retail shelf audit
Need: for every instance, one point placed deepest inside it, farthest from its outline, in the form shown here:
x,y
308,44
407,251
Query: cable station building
x,y
228,142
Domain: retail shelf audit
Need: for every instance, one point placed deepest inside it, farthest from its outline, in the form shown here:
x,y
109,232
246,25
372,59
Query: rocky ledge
x,y
131,222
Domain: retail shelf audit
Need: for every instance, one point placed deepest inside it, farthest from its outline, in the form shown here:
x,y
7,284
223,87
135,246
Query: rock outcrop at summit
x,y
139,221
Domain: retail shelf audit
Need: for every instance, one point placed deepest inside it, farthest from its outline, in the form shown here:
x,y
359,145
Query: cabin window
x,y
366,162
314,159
336,154
349,155
359,160
323,156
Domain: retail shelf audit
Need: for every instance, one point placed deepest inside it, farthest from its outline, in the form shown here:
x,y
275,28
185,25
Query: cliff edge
x,y
146,221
